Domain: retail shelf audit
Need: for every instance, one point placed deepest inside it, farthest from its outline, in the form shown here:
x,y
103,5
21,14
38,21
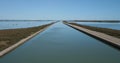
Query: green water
x,y
62,44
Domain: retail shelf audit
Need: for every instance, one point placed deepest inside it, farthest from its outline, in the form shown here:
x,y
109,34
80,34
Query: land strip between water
x,y
12,38
112,39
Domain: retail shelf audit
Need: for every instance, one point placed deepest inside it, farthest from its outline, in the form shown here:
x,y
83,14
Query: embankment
x,y
12,38
112,39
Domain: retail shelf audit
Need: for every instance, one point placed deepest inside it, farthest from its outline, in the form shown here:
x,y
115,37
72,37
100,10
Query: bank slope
x,y
110,36
12,38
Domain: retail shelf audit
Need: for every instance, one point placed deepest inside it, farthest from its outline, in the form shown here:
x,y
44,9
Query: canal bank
x,y
7,50
102,36
62,44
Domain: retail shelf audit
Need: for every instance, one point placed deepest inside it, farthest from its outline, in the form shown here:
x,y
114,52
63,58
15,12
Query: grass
x,y
111,32
9,37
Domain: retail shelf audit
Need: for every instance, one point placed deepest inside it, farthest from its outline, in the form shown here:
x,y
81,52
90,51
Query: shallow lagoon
x,y
21,24
102,24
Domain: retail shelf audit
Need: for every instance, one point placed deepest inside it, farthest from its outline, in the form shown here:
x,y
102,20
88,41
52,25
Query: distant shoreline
x,y
25,20
109,21
70,20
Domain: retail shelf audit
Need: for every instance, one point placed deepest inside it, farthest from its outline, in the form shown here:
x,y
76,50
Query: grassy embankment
x,y
111,32
9,37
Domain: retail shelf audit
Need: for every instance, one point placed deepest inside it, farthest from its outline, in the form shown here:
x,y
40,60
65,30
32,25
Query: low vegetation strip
x,y
109,39
10,37
112,32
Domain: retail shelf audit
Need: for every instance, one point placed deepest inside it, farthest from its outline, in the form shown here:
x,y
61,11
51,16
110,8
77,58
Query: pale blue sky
x,y
60,9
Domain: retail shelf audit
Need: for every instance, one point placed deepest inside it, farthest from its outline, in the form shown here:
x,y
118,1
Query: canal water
x,y
102,24
62,44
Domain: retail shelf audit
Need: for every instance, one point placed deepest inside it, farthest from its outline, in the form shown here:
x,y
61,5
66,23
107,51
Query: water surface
x,y
62,44
102,24
21,24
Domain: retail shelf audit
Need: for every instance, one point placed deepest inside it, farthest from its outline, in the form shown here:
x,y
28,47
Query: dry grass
x,y
11,36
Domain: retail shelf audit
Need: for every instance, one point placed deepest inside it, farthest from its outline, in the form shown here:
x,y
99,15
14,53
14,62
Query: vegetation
x,y
9,37
112,32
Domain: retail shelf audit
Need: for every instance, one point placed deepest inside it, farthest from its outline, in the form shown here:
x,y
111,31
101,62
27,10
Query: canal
x,y
62,44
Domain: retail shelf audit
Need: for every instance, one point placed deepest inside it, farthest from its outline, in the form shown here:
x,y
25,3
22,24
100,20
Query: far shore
x,y
106,21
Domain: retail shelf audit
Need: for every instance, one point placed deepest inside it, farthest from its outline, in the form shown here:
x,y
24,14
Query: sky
x,y
60,9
